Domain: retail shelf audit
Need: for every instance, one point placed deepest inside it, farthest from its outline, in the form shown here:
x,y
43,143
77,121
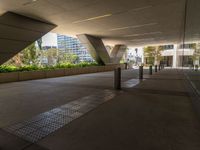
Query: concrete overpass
x,y
129,22
159,112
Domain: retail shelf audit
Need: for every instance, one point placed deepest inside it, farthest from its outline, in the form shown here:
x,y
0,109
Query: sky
x,y
50,39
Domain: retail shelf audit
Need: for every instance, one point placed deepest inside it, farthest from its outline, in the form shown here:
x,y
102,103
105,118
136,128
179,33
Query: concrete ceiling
x,y
131,22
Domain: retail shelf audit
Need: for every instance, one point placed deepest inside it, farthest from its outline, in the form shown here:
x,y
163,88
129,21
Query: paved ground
x,y
194,76
22,100
156,114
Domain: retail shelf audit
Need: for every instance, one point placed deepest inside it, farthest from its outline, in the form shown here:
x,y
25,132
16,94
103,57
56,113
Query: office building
x,y
72,45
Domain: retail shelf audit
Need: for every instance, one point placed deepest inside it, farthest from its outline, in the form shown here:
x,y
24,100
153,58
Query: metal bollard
x,y
126,65
117,79
150,70
163,66
159,67
156,68
196,67
141,72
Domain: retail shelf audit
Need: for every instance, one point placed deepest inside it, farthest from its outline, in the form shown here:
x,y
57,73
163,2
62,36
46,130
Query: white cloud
x,y
50,39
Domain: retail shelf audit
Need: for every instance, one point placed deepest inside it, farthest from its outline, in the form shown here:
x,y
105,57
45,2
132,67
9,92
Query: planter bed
x,y
33,75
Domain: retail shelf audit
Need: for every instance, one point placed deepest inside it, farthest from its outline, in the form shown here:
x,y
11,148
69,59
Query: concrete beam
x,y
117,53
17,32
96,48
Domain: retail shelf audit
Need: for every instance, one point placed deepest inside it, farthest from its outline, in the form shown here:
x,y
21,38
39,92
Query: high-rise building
x,y
72,45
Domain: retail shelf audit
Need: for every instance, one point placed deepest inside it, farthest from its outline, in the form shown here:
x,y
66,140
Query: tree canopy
x,y
153,53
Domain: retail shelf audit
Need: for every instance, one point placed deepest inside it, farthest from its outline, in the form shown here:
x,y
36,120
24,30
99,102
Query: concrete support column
x,y
175,56
18,32
96,48
117,53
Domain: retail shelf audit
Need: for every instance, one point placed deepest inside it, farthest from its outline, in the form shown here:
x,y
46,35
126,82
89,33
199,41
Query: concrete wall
x,y
32,75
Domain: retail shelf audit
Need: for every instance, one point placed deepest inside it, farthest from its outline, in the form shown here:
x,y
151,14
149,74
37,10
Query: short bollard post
x,y
196,67
156,68
159,68
117,79
141,72
126,65
150,70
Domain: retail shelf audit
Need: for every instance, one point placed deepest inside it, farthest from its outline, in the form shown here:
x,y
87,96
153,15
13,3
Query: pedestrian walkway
x,y
153,114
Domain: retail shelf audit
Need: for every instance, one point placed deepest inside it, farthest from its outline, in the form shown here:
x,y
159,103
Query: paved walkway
x,y
156,114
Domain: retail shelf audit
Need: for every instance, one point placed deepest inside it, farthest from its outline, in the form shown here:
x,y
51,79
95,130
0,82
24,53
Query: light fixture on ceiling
x,y
136,26
93,18
141,8
150,33
133,10
138,40
30,2
196,35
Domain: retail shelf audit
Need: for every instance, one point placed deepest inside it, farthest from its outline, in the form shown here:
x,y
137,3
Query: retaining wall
x,y
33,75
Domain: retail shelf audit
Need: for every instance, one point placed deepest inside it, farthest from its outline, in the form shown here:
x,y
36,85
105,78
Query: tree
x,y
39,42
28,56
196,56
68,58
154,54
15,61
51,55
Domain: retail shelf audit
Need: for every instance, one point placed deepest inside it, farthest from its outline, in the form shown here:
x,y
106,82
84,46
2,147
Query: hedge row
x,y
5,68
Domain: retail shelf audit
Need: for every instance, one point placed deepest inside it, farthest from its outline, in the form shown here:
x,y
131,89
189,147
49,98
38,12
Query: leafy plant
x,y
10,68
196,56
28,56
153,54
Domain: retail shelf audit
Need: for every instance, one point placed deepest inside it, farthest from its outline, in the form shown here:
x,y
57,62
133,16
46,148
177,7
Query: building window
x,y
187,46
167,47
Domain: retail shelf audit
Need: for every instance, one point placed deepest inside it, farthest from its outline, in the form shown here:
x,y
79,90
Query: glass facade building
x,y
72,45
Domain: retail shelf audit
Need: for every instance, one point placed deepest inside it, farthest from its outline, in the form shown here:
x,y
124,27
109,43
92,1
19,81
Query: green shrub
x,y
65,65
28,68
4,68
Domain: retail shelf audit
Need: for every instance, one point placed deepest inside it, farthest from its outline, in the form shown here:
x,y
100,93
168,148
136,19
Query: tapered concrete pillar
x,y
96,48
117,53
17,32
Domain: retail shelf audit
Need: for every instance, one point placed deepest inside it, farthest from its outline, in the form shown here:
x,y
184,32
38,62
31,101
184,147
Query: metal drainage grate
x,y
44,124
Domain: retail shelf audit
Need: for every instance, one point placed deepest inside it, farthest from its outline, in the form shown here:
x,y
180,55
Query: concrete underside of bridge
x,y
160,112
122,22
155,113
